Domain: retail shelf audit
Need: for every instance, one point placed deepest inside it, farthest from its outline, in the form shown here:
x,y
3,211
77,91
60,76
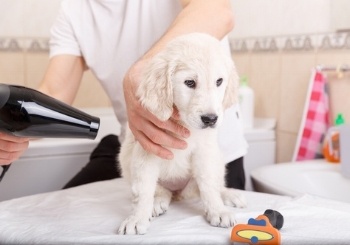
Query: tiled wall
x,y
279,69
23,61
27,18
283,17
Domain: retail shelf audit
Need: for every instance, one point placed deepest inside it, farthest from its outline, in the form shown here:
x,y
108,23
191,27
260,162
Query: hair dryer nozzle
x,y
30,113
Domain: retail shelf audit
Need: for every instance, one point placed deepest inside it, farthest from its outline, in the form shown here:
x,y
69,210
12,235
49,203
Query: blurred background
x,y
275,44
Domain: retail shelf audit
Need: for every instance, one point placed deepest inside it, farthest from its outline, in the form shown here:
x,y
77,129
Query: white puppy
x,y
194,74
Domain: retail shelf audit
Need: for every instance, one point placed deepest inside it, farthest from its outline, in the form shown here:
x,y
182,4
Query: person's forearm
x,y
214,17
63,77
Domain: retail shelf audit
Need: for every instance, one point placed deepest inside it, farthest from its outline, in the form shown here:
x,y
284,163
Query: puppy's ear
x,y
231,93
155,91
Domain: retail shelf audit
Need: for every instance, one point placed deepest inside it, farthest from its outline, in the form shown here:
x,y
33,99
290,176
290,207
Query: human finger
x,y
157,135
149,146
11,148
172,125
12,138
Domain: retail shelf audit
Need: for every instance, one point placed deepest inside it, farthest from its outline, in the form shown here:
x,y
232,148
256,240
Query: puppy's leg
x,y
209,173
190,191
144,176
232,197
162,199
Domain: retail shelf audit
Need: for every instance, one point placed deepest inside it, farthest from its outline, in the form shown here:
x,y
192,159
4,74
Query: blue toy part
x,y
252,221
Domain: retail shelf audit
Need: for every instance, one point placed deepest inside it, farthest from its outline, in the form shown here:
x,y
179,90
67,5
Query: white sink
x,y
316,177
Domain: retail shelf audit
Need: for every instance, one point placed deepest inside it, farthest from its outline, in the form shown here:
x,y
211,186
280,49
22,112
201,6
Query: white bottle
x,y
246,101
344,140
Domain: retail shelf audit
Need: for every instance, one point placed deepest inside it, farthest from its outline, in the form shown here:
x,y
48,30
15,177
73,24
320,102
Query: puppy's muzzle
x,y
209,120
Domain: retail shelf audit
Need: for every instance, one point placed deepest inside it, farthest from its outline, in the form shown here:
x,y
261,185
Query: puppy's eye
x,y
219,82
190,83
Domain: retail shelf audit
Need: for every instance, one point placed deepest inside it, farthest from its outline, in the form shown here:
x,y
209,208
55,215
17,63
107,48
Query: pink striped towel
x,y
315,121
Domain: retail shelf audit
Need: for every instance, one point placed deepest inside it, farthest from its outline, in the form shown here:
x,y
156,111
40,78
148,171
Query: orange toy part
x,y
257,231
333,157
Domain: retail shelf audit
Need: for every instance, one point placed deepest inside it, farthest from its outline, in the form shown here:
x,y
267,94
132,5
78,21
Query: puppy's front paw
x,y
224,218
160,205
233,198
134,225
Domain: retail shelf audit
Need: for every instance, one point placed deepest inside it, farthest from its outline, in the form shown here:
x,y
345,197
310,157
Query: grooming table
x,y
91,214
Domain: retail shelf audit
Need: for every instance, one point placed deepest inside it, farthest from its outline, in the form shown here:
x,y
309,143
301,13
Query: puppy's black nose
x,y
209,119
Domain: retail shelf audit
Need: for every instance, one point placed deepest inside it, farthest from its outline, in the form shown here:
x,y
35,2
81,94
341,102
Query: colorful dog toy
x,y
263,230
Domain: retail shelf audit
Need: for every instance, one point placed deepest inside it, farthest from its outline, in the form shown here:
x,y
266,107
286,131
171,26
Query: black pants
x,y
103,166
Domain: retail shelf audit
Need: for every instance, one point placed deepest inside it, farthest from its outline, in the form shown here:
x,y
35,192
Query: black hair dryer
x,y
29,113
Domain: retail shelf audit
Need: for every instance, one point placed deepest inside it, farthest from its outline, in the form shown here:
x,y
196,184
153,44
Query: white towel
x,y
315,120
91,214
314,220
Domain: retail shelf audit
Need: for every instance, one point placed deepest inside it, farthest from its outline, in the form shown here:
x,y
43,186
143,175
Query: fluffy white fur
x,y
188,75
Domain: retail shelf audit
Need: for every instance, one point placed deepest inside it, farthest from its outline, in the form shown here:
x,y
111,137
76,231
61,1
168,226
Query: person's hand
x,y
154,135
11,148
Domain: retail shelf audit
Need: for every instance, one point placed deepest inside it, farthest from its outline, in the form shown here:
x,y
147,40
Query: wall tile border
x,y
33,45
307,42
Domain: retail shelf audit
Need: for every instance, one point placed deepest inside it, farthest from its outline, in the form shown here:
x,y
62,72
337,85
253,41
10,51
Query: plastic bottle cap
x,y
244,81
340,119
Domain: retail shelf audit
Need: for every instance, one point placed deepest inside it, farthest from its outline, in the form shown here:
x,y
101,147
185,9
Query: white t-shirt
x,y
111,35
